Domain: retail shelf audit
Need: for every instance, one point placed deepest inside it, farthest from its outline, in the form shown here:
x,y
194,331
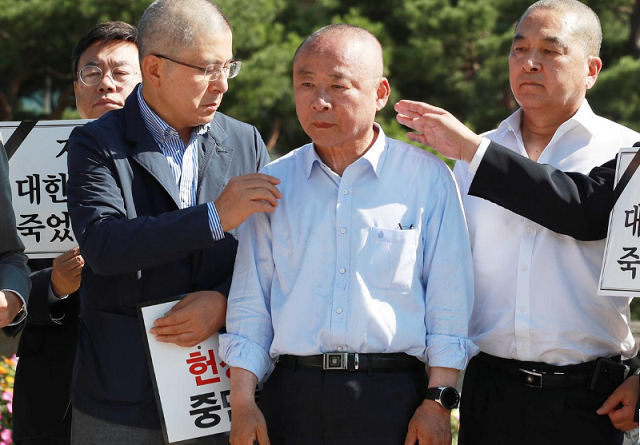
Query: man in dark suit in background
x,y
152,190
553,322
14,274
105,65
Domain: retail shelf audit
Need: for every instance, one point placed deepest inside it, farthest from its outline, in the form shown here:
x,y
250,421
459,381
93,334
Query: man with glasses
x,y
105,63
41,413
152,190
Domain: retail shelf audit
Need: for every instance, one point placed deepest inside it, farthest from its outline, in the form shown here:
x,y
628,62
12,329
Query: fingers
x,y
612,401
411,437
622,418
263,437
419,138
413,109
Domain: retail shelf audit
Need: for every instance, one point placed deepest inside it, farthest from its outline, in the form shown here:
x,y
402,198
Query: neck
x,y
338,158
155,103
538,127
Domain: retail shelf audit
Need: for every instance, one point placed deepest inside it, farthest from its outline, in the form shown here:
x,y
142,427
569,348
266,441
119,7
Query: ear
x,y
594,65
75,88
382,93
153,70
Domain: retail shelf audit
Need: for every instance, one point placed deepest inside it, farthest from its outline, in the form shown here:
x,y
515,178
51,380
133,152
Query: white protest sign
x,y
191,384
620,275
38,175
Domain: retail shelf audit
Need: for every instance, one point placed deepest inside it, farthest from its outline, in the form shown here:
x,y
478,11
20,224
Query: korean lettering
x,y
31,226
30,187
56,187
632,263
64,233
207,416
199,365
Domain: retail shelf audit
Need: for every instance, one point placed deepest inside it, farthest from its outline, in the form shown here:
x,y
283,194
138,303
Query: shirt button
x,y
339,310
523,268
522,308
343,270
529,229
343,230
340,348
344,192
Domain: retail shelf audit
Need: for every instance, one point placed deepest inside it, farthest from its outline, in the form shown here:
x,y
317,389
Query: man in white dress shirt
x,y
360,277
537,319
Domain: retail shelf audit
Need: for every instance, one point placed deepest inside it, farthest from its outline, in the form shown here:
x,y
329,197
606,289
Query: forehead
x,y
337,58
547,24
109,53
211,47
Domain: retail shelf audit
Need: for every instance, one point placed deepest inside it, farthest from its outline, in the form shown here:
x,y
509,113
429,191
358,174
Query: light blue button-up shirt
x,y
375,261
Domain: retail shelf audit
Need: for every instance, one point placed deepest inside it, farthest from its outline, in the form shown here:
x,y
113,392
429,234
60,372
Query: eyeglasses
x,y
92,75
211,72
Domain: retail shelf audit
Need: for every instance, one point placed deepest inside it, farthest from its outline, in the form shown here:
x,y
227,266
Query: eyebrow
x,y
336,76
554,40
115,63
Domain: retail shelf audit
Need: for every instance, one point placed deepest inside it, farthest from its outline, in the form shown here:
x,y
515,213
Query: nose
x,y
321,101
531,63
107,83
221,84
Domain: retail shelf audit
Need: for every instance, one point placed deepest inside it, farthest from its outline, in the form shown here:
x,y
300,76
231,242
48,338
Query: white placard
x,y
38,175
620,275
191,384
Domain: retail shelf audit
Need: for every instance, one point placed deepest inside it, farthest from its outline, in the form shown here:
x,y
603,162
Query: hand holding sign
x,y
194,319
67,272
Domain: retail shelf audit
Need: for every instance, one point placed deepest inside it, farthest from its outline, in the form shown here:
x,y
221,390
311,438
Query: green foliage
x,y
451,53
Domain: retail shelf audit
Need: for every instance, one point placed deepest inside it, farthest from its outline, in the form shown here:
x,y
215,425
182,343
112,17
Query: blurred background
x,y
451,53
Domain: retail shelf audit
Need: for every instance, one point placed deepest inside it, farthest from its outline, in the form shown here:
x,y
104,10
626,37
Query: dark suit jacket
x,y
139,246
41,399
14,273
570,203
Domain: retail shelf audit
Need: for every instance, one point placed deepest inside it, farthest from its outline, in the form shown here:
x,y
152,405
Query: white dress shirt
x,y
535,290
375,261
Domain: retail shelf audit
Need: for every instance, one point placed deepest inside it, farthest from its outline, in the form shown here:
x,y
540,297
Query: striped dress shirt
x,y
182,159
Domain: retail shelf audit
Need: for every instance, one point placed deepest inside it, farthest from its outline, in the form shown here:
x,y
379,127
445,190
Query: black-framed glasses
x,y
92,75
211,73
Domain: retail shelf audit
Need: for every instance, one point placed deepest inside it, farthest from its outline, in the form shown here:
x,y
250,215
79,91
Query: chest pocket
x,y
391,258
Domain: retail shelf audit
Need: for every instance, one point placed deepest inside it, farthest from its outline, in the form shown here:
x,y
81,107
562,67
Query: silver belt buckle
x,y
532,378
334,361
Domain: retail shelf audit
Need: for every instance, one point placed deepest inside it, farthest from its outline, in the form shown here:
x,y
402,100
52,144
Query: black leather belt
x,y
543,375
346,361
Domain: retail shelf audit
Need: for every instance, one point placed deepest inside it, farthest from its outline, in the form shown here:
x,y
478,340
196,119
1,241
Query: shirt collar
x,y
374,156
158,128
584,117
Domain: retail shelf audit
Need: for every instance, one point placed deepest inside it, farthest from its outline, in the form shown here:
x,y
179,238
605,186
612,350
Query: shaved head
x,y
587,28
173,26
362,44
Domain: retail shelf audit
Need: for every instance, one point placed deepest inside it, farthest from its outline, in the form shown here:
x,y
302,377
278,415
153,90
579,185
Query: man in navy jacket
x,y
154,189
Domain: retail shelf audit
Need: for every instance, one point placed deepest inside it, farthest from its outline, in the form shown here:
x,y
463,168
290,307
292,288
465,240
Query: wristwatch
x,y
447,396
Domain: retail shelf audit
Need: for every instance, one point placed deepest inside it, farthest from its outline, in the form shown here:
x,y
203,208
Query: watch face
x,y
449,398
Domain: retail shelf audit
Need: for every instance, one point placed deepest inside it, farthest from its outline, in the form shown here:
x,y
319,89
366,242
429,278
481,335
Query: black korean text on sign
x,y
32,225
206,408
629,261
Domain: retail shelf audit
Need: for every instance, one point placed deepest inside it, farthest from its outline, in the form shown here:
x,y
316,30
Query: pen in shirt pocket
x,y
401,227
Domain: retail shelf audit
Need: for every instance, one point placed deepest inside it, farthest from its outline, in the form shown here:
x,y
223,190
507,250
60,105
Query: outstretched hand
x,y
438,129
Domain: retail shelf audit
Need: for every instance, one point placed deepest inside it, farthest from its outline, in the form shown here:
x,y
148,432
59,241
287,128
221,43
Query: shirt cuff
x,y
23,314
449,352
52,297
240,352
214,222
477,158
